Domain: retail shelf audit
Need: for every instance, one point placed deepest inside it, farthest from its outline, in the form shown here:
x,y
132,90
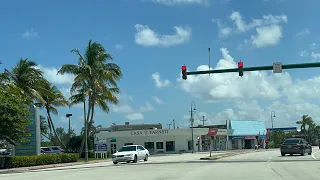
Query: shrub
x,y
24,161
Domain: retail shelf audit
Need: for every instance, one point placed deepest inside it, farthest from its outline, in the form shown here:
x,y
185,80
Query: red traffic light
x,y
240,64
184,68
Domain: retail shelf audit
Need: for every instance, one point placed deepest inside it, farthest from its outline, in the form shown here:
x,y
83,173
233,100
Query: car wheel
x,y
128,161
146,158
135,159
303,152
283,154
310,152
115,162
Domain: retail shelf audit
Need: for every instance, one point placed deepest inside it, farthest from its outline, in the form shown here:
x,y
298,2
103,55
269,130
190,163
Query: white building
x,y
163,140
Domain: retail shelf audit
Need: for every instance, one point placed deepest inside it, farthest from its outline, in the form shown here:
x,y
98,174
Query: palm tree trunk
x,y
54,130
85,124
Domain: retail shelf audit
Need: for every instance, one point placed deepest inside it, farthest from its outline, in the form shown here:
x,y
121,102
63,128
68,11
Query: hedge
x,y
7,162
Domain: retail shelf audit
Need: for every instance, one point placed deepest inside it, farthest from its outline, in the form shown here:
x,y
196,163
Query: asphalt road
x,y
268,165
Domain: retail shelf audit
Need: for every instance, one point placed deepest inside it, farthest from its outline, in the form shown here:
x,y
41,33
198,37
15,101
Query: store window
x,y
170,146
159,145
149,146
189,145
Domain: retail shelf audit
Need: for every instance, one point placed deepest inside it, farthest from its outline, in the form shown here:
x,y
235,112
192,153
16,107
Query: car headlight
x,y
128,155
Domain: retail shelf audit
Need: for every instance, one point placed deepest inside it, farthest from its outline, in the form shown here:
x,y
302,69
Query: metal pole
x,y
192,129
271,116
85,127
69,135
192,108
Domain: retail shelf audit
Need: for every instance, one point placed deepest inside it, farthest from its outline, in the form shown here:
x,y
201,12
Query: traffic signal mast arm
x,y
257,68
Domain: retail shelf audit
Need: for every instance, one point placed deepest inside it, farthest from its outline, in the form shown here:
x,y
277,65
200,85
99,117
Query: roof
x,y
247,127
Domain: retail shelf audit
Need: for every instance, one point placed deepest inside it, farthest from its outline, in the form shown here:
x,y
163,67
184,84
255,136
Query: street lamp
x,y
272,115
192,109
69,130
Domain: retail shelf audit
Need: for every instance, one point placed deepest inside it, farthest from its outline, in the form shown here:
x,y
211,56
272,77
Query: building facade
x,y
162,140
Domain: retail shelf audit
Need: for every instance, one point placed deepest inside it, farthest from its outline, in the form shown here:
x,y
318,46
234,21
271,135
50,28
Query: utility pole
x,y
203,120
174,124
192,109
272,115
69,131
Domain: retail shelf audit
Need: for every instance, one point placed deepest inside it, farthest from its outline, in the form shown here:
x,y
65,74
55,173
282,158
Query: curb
x,y
228,155
30,168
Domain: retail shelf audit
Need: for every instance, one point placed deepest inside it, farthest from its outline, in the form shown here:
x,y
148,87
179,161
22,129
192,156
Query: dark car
x,y
295,146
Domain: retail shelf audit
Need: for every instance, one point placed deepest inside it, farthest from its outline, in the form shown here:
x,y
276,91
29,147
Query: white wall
x,y
179,136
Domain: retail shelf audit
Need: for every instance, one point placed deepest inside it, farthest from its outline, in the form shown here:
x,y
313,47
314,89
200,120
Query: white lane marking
x,y
314,154
269,159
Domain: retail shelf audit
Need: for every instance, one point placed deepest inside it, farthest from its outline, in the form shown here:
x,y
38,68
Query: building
x,y
235,135
161,140
246,134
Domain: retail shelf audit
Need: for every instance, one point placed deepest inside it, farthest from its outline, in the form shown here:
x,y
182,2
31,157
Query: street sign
x,y
100,147
277,67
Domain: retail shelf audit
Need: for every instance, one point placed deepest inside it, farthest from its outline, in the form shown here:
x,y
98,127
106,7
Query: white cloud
x,y
267,36
51,75
129,112
157,100
30,34
135,116
145,36
122,109
245,96
268,29
312,51
147,107
118,46
304,32
160,83
181,2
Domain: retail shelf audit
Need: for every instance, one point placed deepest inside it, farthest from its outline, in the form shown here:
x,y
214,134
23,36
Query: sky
x,y
151,39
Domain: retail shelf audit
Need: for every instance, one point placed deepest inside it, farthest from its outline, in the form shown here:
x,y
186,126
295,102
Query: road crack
x,y
276,172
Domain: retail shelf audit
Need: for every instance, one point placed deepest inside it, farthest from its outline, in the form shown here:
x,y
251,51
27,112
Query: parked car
x,y
295,146
51,150
130,153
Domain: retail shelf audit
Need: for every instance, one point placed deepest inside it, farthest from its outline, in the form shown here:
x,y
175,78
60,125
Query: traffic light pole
x,y
257,68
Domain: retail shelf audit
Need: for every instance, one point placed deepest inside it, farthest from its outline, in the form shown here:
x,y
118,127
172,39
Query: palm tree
x,y
312,131
27,79
44,128
52,100
96,79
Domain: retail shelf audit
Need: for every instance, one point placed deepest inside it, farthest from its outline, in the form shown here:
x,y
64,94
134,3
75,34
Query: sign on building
x,y
100,148
31,147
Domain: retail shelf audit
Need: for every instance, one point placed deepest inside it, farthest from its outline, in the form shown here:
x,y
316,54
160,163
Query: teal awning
x,y
113,139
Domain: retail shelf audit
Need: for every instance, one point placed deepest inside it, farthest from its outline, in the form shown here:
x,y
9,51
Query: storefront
x,y
247,134
162,140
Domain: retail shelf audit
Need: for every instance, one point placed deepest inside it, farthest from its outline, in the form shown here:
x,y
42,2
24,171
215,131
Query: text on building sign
x,y
150,132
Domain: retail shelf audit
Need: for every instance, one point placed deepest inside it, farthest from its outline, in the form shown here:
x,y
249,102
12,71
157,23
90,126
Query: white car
x,y
130,153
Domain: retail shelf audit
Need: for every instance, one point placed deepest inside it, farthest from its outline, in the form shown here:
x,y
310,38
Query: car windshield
x,y
291,141
127,148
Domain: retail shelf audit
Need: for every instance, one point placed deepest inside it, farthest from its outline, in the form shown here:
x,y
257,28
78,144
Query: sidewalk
x,y
24,169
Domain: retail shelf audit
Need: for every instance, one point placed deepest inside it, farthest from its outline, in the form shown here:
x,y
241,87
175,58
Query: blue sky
x,y
151,39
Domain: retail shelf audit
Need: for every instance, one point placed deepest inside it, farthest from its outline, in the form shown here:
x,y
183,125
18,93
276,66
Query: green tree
x,y
27,80
14,117
312,131
50,101
95,79
44,128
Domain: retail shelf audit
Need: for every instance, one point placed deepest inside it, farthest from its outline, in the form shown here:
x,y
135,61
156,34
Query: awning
x,y
113,139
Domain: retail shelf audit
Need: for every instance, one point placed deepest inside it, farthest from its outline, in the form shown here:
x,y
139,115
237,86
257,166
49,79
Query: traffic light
x,y
240,66
184,72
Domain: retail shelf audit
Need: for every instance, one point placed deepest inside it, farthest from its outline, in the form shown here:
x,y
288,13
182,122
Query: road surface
x,y
268,165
